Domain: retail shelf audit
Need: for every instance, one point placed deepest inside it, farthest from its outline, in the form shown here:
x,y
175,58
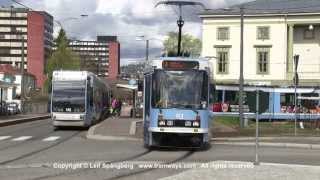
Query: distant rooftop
x,y
9,69
14,9
260,7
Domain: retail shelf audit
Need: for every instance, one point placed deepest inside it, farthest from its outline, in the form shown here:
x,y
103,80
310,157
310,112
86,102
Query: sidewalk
x,y
225,170
113,128
21,118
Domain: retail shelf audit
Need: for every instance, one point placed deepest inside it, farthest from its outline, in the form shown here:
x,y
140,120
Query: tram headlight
x,y
196,124
187,123
162,123
169,123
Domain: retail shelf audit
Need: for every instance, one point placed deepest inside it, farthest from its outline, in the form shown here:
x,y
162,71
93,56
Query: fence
x,y
34,108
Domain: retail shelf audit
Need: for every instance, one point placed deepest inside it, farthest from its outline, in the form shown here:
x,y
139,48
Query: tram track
x,y
24,127
27,142
125,175
74,172
125,160
39,150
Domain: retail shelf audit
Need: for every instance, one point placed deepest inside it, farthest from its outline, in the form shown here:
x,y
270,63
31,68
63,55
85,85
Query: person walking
x,y
114,106
119,106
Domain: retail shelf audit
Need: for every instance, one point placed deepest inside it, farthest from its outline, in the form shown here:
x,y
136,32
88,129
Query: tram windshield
x,y
68,97
180,89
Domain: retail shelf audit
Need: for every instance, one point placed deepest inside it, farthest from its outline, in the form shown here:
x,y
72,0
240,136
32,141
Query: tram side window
x,y
204,95
287,99
147,96
90,94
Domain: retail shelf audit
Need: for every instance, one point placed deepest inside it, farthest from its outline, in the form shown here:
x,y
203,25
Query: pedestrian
x,y
114,106
119,106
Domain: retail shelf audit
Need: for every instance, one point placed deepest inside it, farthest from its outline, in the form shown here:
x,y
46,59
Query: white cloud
x,y
124,18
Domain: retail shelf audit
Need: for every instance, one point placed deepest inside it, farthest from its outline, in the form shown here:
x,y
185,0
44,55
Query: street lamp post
x,y
296,62
147,50
140,38
241,69
22,73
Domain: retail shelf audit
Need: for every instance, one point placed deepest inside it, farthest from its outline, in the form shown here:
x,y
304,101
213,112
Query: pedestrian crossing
x,y
26,138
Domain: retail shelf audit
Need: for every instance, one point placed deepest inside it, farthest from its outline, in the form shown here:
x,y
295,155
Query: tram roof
x,y
63,75
203,62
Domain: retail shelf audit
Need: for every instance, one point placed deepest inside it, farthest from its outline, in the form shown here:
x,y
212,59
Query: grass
x,y
276,128
228,121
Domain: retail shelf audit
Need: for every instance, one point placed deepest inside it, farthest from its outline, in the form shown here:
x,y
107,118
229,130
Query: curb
x,y
265,144
91,135
133,127
22,120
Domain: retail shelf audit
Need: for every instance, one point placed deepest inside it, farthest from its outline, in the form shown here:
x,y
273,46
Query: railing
x,y
284,116
34,108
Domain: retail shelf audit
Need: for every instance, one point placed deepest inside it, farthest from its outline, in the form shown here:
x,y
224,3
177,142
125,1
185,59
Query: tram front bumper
x,y
179,130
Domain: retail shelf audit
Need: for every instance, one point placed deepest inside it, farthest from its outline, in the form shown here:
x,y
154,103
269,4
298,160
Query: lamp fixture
x,y
310,27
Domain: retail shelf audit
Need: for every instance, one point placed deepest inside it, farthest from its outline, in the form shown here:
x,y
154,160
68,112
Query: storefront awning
x,y
126,86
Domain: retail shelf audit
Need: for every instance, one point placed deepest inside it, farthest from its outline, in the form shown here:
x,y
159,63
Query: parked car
x,y
12,108
3,108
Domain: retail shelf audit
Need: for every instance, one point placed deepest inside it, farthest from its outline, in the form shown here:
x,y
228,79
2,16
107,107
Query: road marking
x,y
4,137
22,138
51,138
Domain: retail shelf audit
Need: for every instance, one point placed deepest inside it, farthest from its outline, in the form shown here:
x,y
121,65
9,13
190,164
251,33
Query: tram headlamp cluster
x,y
196,124
162,123
187,123
169,123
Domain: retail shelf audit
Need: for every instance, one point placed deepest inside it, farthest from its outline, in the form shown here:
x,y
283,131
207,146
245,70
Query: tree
x,y
190,46
62,58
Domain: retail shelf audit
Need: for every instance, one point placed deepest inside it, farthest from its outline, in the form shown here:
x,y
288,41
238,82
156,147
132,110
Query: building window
x,y
223,33
222,60
14,29
263,33
263,60
308,34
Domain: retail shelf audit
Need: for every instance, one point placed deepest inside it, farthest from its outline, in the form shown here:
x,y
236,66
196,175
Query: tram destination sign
x,y
180,65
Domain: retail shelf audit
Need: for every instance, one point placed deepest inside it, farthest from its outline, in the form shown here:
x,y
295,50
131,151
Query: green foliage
x,y
62,58
190,46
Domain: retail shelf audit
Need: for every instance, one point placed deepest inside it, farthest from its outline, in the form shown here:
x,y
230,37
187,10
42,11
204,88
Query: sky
x,y
126,19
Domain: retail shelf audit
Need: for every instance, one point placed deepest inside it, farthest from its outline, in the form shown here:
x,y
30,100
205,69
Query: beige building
x,y
274,31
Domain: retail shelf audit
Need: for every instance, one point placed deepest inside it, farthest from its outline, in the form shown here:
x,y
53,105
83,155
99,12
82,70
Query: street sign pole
x,y
256,162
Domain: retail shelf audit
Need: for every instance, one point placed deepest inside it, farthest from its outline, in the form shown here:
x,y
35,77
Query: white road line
x,y
22,138
4,137
51,138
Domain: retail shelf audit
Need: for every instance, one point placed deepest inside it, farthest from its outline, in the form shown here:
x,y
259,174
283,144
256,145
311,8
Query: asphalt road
x,y
35,151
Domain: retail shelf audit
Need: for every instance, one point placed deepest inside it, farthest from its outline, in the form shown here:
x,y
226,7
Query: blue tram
x,y
176,99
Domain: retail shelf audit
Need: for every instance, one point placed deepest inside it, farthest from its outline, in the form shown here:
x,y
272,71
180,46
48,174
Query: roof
x,y
6,85
9,69
262,7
